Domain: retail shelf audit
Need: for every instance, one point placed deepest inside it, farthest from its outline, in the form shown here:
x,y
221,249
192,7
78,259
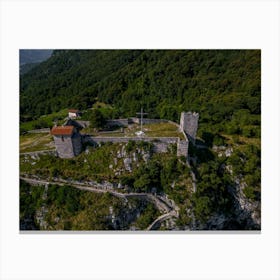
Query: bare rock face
x,y
134,156
40,217
217,222
228,152
127,164
146,157
247,209
223,151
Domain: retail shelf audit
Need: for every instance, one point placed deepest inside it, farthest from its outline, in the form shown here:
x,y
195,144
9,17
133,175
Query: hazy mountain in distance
x,y
33,55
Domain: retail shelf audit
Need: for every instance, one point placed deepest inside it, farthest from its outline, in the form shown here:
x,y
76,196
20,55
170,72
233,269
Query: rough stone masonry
x,y
189,124
68,141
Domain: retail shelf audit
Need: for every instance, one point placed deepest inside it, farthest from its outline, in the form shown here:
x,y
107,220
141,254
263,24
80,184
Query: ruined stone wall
x,y
126,122
71,147
151,121
160,147
160,143
64,146
189,124
40,130
182,148
117,122
146,121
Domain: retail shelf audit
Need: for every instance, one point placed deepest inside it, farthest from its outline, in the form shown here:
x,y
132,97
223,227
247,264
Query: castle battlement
x,y
189,124
69,141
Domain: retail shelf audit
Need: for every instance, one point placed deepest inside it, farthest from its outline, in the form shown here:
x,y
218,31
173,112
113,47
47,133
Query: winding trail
x,y
161,218
163,206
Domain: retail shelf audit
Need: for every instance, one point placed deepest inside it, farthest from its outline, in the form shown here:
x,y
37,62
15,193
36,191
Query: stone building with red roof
x,y
68,141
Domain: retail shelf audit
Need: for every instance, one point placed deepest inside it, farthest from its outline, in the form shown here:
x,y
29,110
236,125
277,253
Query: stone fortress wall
x,y
118,122
182,148
146,120
188,126
160,143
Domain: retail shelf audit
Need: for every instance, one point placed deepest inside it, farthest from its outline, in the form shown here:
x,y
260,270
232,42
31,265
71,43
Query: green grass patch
x,y
31,142
151,130
44,121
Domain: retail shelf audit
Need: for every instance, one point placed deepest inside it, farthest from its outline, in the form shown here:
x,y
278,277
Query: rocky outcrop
x,y
247,211
223,150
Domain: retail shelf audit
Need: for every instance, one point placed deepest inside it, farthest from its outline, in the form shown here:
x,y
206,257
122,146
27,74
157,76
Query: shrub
x,y
218,140
249,193
130,146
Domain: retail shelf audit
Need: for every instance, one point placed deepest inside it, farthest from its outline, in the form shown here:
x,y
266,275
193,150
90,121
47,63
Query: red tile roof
x,y
62,130
73,111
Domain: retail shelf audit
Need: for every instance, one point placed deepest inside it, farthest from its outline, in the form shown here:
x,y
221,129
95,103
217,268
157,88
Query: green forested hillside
x,y
216,83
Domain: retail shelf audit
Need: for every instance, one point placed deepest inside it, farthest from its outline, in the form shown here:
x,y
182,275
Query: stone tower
x,y
189,124
68,141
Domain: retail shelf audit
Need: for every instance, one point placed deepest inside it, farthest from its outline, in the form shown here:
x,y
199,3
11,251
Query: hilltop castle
x,y
69,142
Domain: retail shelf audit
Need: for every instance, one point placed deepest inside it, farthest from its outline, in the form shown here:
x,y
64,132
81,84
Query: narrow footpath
x,y
161,203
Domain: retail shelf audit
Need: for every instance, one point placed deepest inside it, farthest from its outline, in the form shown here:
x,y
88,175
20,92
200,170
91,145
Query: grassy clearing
x,y
151,130
242,141
93,132
31,142
155,130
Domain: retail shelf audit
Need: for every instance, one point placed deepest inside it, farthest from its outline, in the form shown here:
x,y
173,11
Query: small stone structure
x,y
189,124
67,141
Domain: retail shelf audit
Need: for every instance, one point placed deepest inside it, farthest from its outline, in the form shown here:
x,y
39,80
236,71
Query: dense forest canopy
x,y
216,83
